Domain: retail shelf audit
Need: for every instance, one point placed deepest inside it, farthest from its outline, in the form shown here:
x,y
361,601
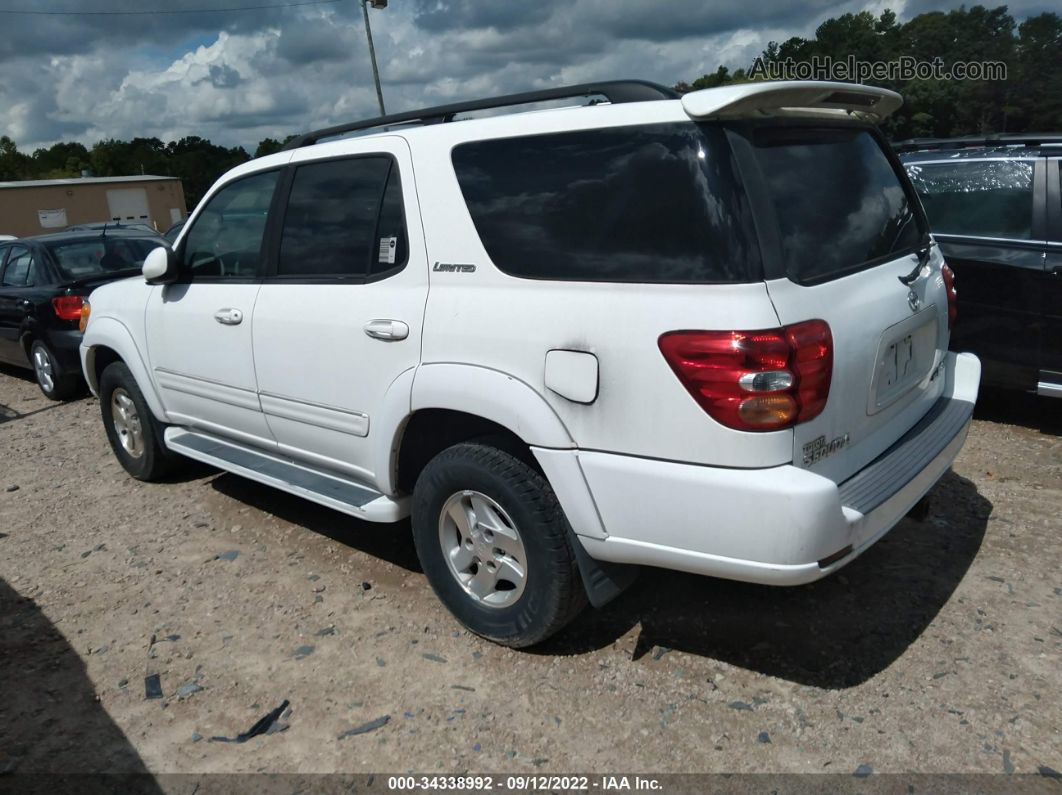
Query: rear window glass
x,y
652,203
979,198
101,255
839,203
330,223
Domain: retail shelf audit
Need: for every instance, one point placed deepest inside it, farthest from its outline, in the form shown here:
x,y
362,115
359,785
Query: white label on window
x,y
388,246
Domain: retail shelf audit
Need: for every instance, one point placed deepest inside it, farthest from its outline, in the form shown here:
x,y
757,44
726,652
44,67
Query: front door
x,y
340,320
199,328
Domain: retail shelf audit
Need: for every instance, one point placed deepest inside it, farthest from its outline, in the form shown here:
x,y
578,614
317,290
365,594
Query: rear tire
x,y
495,545
134,433
53,382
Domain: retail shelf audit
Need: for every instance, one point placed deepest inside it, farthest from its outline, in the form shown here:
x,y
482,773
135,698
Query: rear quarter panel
x,y
508,324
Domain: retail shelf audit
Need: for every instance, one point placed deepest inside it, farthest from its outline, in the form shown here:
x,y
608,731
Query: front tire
x,y
134,433
53,382
495,545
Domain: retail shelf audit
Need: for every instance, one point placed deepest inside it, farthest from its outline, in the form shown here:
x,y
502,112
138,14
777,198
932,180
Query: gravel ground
x,y
937,651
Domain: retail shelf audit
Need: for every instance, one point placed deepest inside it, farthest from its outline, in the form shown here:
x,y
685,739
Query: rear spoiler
x,y
792,98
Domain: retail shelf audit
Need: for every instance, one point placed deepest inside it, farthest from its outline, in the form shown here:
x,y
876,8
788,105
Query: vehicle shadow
x,y
52,721
390,542
8,414
834,634
21,373
1041,414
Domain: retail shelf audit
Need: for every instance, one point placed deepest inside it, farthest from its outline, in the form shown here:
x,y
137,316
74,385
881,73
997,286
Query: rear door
x,y
339,319
8,313
18,276
982,212
1050,379
840,225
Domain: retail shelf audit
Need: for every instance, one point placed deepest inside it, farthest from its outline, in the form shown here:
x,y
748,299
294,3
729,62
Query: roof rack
x,y
968,141
616,91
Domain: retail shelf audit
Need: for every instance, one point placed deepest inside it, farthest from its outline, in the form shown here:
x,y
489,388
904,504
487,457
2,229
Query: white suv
x,y
707,334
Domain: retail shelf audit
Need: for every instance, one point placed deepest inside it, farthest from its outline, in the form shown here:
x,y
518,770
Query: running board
x,y
328,489
1049,389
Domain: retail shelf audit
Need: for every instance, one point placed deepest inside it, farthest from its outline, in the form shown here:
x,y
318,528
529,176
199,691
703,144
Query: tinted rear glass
x,y
653,203
100,256
979,198
840,204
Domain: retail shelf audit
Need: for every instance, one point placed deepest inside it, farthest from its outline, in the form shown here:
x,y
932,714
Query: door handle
x,y
229,316
26,304
1057,270
387,330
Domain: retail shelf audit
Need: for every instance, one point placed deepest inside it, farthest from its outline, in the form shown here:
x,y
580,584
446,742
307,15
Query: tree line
x,y
1030,99
197,161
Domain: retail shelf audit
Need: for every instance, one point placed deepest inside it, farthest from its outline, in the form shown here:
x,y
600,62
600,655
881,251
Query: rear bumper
x,y
65,344
770,526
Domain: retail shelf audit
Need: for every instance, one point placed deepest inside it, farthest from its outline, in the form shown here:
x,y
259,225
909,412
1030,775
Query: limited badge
x,y
388,247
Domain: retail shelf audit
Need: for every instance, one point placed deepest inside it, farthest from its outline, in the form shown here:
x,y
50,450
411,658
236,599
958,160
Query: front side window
x,y
978,198
225,242
651,203
333,226
840,204
21,270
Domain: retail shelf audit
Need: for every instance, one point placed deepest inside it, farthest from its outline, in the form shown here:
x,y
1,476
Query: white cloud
x,y
276,73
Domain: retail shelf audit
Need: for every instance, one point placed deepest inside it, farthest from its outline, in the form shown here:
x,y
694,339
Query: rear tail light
x,y
949,287
755,380
68,307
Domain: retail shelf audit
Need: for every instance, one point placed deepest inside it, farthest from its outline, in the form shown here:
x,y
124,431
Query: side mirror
x,y
160,266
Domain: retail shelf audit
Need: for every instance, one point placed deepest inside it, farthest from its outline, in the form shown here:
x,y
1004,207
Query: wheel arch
x,y
451,403
107,341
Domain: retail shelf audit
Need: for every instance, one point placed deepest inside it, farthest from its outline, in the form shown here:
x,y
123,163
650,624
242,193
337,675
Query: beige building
x,y
36,207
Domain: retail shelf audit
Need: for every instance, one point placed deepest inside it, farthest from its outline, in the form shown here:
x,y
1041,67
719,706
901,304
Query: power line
x,y
165,11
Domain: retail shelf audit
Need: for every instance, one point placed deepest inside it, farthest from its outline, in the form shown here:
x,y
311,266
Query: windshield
x,y
100,256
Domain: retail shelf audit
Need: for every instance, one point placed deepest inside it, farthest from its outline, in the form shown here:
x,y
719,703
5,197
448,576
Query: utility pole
x,y
372,49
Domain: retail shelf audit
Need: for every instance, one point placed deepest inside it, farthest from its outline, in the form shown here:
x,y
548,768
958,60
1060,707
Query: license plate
x,y
905,357
898,361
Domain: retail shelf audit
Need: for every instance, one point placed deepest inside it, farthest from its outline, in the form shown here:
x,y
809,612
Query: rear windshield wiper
x,y
923,260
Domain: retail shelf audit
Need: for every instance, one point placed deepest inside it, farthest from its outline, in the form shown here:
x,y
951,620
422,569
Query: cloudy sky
x,y
236,77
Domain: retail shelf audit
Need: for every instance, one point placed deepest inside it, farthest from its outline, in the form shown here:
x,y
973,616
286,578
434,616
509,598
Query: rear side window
x,y
977,198
101,255
390,237
652,203
840,204
331,219
21,270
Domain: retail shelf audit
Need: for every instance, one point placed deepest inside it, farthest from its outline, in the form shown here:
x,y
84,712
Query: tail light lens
x,y
949,287
68,307
755,380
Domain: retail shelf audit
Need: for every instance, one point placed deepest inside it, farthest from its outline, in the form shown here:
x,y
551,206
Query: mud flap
x,y
603,581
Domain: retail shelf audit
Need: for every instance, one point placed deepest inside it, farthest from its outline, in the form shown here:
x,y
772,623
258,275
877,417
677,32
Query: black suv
x,y
995,206
43,283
